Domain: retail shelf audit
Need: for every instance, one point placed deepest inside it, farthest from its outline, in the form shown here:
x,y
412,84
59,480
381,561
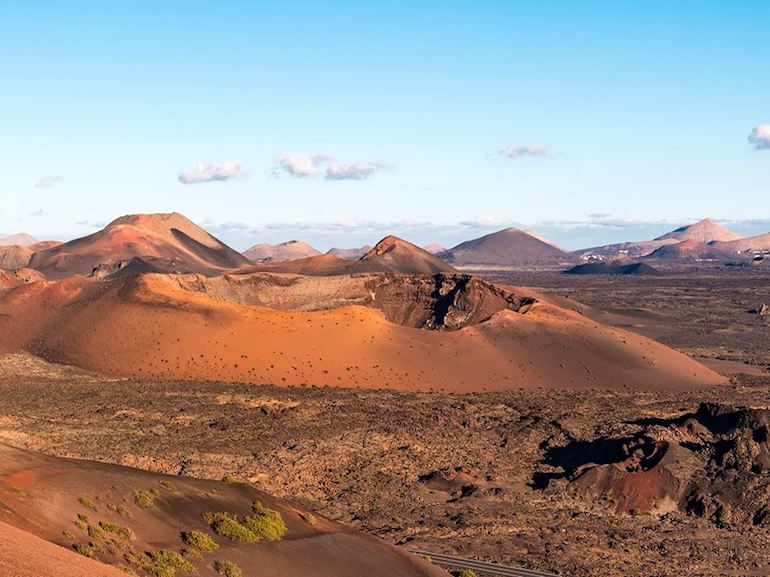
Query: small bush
x,y
266,523
82,525
95,532
200,541
91,550
87,502
228,526
168,485
263,525
230,479
464,573
165,564
144,499
228,569
117,529
17,490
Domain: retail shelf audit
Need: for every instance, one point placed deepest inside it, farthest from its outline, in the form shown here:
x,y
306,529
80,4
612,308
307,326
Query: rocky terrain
x,y
481,475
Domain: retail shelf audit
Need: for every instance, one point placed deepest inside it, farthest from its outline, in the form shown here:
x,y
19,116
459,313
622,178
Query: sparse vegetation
x,y
17,490
200,541
228,569
267,523
120,510
263,525
90,550
464,573
81,524
230,479
88,503
95,532
144,499
164,563
227,525
117,529
168,485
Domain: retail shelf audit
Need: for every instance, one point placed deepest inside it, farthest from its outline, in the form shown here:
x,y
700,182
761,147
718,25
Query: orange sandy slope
x,y
144,327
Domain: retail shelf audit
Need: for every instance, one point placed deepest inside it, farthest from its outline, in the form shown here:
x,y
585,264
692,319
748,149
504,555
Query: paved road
x,y
481,566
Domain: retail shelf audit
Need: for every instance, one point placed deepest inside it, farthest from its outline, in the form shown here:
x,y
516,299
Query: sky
x,y
337,123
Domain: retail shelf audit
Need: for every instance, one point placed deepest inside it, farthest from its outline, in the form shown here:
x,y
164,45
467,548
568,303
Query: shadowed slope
x,y
506,247
175,244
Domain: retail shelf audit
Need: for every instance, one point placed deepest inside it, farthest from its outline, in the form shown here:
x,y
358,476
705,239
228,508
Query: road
x,y
481,566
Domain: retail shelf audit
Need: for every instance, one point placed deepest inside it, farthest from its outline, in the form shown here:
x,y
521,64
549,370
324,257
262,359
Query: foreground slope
x,y
171,241
507,247
155,325
138,520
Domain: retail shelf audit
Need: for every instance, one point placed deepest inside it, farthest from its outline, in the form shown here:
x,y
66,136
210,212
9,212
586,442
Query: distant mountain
x,y
633,249
704,231
171,241
391,254
507,247
350,253
434,248
290,250
690,249
754,244
19,239
616,266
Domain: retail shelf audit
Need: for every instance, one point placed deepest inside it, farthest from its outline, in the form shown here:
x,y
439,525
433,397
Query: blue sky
x,y
587,121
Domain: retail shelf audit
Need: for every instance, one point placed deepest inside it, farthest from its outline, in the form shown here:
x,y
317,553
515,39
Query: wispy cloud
x,y
213,172
48,181
517,151
760,137
38,213
301,165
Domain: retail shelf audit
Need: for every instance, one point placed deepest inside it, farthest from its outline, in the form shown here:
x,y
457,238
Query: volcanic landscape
x,y
328,413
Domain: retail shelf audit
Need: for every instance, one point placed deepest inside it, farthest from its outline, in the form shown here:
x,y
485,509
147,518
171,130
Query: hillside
x,y
173,242
290,250
373,334
507,247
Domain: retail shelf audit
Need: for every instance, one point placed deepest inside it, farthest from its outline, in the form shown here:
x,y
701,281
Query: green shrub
x,y
117,529
91,550
228,526
266,523
95,532
144,499
165,564
228,569
263,525
200,541
87,502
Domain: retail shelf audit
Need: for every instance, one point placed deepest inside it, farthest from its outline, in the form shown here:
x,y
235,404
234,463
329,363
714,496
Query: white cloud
x,y
48,181
213,172
38,213
302,165
760,137
537,150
